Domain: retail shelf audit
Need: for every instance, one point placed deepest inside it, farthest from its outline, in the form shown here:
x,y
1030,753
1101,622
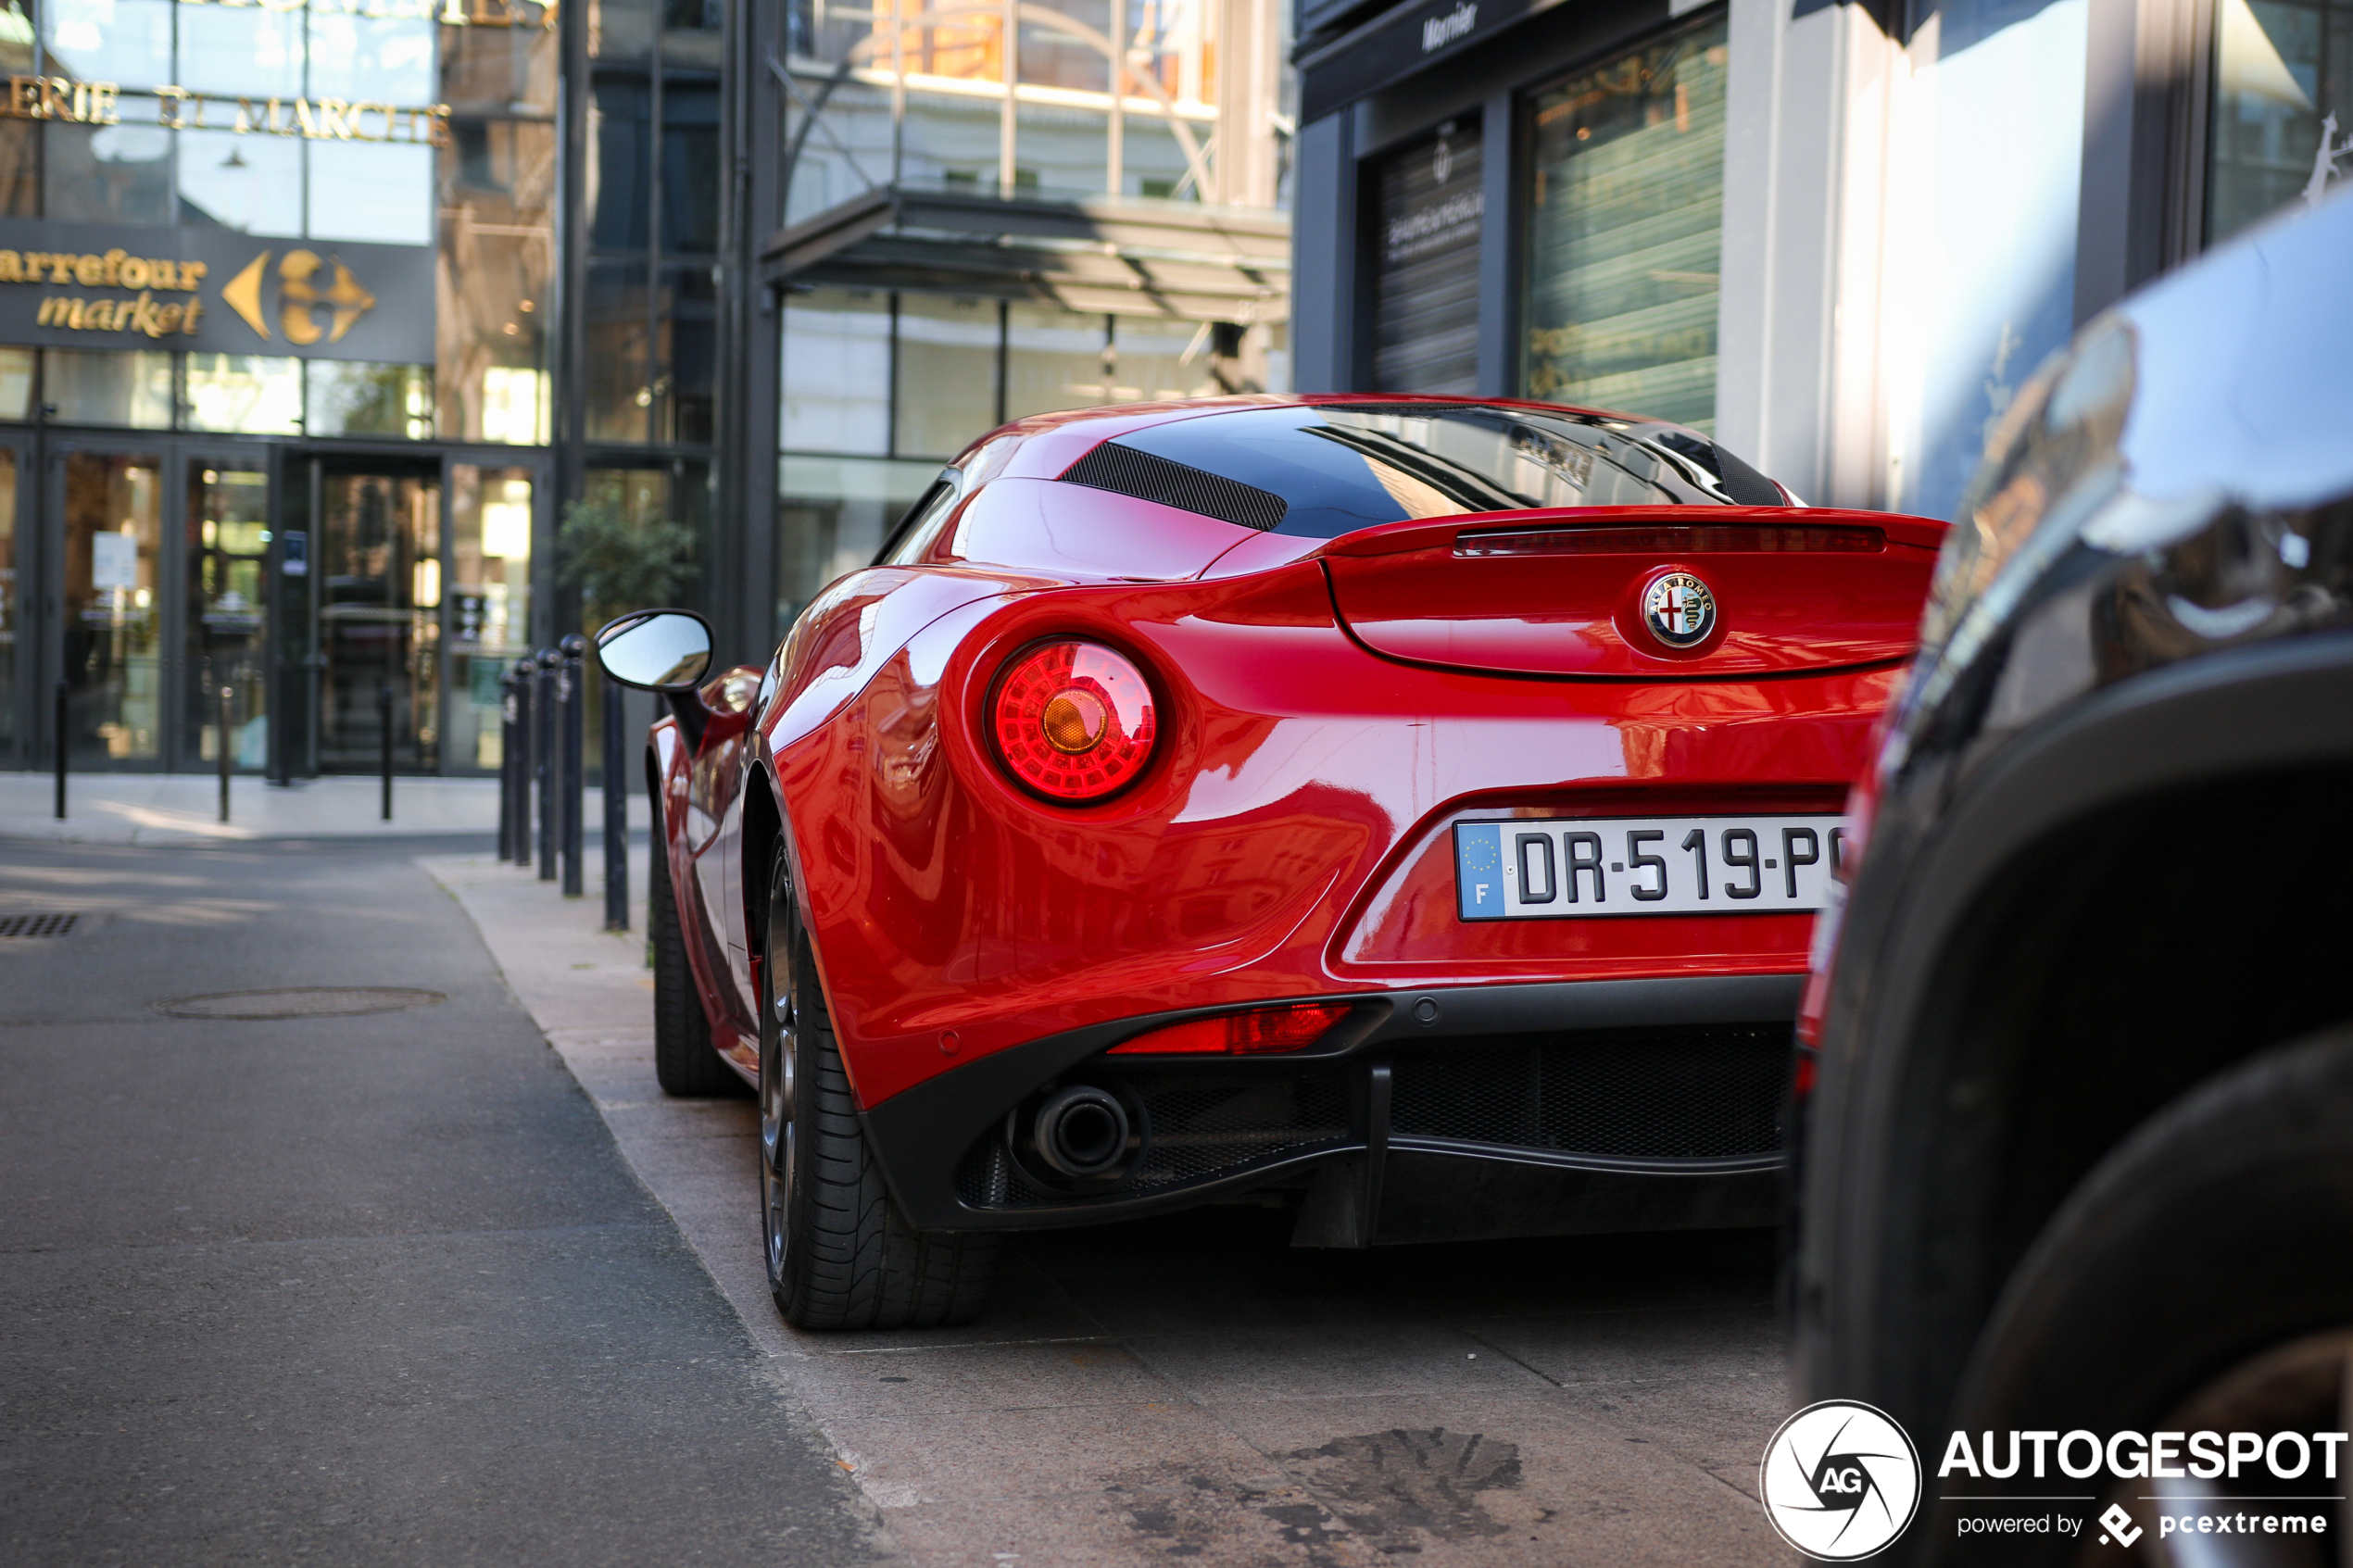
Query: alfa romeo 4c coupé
x,y
1416,806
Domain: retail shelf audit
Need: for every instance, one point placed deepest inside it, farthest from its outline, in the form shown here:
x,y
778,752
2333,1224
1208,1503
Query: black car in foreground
x,y
2076,1117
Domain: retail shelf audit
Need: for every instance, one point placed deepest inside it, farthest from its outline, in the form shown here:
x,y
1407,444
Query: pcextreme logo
x,y
300,293
1840,1480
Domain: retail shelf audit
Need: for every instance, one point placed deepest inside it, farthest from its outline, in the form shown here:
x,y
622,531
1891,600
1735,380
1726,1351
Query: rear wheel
x,y
2201,1278
839,1253
685,1063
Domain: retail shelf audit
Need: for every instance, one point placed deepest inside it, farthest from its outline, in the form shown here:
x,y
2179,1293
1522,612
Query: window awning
x,y
1129,255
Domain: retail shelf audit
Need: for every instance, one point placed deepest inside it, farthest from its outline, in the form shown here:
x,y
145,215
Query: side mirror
x,y
655,650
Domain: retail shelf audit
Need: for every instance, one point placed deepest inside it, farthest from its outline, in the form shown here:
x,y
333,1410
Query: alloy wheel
x,y
778,1070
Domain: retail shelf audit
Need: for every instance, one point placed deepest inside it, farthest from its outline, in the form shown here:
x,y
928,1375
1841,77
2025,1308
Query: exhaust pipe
x,y
1081,1132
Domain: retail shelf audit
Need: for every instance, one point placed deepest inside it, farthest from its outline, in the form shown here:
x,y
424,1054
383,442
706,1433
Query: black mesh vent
x,y
1129,472
1202,1126
1701,1093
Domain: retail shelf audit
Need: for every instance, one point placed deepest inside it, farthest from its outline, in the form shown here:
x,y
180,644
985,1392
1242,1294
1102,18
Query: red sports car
x,y
1416,806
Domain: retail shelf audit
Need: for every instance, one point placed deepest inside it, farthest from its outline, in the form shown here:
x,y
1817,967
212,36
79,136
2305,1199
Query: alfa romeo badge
x,y
1680,609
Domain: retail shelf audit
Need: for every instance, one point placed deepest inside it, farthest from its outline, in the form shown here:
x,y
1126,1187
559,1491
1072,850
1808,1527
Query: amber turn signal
x,y
1073,720
1260,1031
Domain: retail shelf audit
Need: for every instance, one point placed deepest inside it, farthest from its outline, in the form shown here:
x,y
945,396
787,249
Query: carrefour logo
x,y
1840,1480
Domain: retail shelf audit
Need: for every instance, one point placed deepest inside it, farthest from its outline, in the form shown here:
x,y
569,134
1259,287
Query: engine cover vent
x,y
1126,471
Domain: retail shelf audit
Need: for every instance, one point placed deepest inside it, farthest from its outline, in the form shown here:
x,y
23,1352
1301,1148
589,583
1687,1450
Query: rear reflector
x,y
1267,1030
1672,539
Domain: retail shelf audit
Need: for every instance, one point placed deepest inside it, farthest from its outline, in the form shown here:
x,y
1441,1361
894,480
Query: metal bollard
x,y
522,675
616,809
571,699
63,692
543,750
383,710
507,767
222,749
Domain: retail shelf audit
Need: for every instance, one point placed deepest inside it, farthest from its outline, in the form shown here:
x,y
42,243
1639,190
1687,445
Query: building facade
x,y
1836,236
987,210
336,335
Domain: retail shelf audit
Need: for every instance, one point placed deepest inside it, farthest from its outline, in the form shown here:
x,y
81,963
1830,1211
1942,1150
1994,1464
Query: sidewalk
x,y
1194,1387
184,809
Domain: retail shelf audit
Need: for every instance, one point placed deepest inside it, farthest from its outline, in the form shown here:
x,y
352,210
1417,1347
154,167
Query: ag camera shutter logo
x,y
1839,1481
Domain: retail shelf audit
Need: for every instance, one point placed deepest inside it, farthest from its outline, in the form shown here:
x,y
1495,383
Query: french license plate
x,y
1560,868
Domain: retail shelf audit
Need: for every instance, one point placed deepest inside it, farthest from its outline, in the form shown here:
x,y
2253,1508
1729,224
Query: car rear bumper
x,y
1425,1115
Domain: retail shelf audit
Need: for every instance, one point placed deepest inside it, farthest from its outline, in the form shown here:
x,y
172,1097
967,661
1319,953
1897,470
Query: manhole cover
x,y
314,1001
36,925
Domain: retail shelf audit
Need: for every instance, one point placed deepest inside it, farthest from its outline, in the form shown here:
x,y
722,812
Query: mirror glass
x,y
667,650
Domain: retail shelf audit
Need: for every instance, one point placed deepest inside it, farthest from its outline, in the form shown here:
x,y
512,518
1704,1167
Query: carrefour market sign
x,y
90,285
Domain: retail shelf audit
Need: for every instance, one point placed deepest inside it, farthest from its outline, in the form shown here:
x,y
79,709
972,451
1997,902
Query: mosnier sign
x,y
86,285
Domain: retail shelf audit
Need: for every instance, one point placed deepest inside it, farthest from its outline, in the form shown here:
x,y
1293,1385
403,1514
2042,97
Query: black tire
x,y
839,1253
2215,1238
685,1063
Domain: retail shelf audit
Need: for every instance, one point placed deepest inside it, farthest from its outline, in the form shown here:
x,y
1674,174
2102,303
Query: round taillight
x,y
1074,721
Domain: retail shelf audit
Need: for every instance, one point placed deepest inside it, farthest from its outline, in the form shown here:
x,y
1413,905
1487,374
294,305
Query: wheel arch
x,y
2019,1030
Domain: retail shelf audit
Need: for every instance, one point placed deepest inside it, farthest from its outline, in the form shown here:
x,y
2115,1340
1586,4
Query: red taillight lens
x,y
1074,721
1241,1033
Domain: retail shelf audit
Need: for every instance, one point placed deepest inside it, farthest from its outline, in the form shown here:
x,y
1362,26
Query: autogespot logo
x,y
1840,1480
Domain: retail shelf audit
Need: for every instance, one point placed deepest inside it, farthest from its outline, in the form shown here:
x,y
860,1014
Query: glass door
x,y
111,504
379,566
16,661
490,525
226,631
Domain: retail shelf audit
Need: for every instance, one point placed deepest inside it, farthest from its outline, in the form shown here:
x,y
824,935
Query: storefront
x,y
302,364
1838,237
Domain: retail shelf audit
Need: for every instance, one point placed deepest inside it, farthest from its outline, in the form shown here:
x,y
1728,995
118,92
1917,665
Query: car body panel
x,y
1286,839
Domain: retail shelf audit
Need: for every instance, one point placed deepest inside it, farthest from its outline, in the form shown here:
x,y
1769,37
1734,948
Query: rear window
x,y
1328,470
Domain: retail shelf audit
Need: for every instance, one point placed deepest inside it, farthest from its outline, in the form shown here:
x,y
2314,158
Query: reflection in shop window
x,y
836,368
498,69
226,624
832,515
690,167
88,387
352,398
242,51
685,389
497,260
1426,264
490,599
19,167
1625,229
1054,359
619,381
380,59
15,390
252,183
123,41
113,529
947,375
110,173
2282,69
373,191
244,394
514,405
621,29
1155,359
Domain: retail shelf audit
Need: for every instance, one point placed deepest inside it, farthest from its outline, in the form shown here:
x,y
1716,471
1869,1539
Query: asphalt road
x,y
374,1289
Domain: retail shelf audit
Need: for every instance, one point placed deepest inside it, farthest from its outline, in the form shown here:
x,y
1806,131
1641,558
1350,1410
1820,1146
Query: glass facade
x,y
1625,224
2282,122
324,289
1426,276
1168,113
880,388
